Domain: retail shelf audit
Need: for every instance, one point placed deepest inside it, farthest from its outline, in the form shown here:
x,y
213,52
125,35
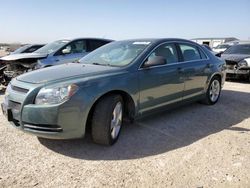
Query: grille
x,y
229,62
231,67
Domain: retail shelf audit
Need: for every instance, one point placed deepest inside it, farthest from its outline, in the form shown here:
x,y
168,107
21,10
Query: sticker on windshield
x,y
142,43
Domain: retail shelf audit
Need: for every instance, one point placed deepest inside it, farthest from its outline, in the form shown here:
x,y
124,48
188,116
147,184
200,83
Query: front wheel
x,y
107,120
213,91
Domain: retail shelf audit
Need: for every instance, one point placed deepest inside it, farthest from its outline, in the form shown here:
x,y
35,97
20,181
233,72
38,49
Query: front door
x,y
164,84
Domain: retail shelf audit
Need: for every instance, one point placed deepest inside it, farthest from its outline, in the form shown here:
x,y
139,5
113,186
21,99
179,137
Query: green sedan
x,y
121,81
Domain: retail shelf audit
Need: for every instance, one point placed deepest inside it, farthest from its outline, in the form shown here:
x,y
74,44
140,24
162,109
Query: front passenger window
x,y
78,46
167,51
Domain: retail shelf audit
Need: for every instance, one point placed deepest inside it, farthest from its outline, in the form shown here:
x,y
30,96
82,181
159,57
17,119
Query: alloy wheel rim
x,y
214,90
116,120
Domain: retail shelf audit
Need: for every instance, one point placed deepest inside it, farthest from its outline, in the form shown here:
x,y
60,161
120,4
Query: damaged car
x,y
55,53
221,48
238,61
28,48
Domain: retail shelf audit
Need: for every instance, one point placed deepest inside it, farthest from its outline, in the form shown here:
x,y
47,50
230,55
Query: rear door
x,y
196,68
163,84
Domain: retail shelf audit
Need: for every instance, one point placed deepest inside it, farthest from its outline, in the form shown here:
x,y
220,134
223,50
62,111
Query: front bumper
x,y
64,121
241,71
233,70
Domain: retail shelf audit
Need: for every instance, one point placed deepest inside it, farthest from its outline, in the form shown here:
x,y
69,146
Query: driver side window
x,y
167,51
78,46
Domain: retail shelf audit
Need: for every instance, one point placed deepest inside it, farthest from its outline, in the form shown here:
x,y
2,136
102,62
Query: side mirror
x,y
157,60
66,51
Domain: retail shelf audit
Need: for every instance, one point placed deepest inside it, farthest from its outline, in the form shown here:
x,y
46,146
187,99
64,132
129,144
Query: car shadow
x,y
238,80
164,132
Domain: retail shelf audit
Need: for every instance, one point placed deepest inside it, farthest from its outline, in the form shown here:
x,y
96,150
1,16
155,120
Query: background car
x,y
29,48
209,48
123,80
221,48
55,53
237,61
68,51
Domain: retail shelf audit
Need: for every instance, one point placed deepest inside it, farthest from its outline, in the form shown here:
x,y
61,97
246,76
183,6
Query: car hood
x,y
234,57
65,71
14,57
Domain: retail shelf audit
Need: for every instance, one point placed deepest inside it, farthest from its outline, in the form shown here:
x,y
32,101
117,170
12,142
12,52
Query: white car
x,y
221,48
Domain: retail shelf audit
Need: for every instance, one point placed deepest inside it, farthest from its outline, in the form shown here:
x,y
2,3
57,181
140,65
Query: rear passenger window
x,y
94,44
203,55
189,52
167,51
78,46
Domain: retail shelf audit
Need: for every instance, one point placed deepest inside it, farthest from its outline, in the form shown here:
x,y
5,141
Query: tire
x,y
213,91
106,125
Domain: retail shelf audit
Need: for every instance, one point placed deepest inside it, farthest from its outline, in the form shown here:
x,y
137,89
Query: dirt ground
x,y
3,53
192,146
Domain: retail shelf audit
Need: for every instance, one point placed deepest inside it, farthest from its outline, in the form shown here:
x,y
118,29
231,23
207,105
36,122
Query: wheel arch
x,y
129,105
216,74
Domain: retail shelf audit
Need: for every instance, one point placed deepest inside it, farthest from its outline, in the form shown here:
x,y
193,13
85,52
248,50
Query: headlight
x,y
38,64
55,95
243,63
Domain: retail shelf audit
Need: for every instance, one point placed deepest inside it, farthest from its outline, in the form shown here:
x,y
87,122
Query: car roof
x,y
160,40
87,38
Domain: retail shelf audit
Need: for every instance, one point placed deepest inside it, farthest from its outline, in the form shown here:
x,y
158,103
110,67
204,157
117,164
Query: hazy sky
x,y
47,20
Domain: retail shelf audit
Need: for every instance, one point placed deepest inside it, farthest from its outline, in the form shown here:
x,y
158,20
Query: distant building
x,y
213,42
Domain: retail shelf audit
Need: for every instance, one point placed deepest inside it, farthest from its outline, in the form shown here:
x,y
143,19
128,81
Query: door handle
x,y
180,70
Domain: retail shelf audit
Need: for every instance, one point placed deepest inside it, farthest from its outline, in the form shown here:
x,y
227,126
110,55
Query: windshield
x,y
222,46
239,49
52,47
21,49
118,54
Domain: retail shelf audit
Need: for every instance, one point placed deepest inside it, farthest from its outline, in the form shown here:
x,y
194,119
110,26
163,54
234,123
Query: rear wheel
x,y
213,91
107,120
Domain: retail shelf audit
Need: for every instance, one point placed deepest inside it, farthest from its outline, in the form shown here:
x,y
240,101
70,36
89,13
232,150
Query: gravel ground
x,y
3,53
192,146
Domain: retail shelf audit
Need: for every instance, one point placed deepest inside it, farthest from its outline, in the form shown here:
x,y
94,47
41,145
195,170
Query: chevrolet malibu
x,y
121,81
